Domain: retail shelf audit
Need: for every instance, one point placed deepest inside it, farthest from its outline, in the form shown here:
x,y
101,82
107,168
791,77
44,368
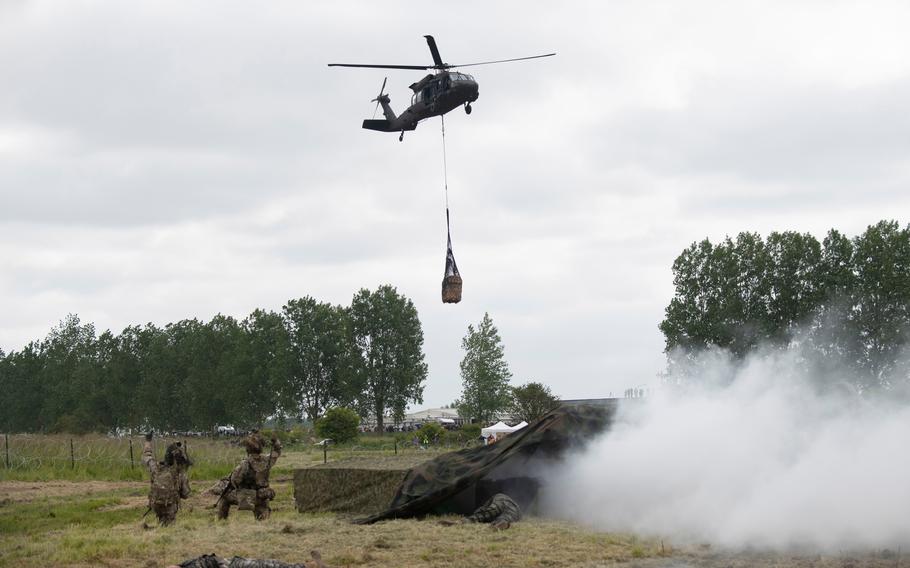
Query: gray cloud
x,y
160,160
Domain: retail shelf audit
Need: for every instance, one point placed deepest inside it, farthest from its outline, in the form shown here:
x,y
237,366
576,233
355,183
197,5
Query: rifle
x,y
227,487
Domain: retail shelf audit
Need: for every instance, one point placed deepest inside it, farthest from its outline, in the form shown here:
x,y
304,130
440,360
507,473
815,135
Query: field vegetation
x,y
95,457
52,514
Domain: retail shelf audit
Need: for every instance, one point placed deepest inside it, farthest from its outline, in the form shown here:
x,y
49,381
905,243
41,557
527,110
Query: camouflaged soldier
x,y
168,478
500,511
212,561
248,485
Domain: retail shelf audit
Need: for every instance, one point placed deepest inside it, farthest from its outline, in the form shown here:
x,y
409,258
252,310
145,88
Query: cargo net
x,y
451,282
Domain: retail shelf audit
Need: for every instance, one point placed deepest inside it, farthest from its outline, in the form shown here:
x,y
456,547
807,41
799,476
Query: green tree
x,y
484,373
532,400
796,286
21,391
204,359
69,378
266,361
880,318
319,363
159,391
339,423
388,344
849,301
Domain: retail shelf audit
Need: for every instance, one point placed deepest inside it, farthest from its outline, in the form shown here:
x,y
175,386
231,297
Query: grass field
x,y
35,457
51,516
80,524
83,524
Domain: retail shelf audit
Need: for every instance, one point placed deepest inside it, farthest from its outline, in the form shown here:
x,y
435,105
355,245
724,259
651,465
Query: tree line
x,y
193,375
844,303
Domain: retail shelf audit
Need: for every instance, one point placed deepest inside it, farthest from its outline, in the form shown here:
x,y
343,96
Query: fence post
x,y
72,455
131,453
7,450
396,446
325,453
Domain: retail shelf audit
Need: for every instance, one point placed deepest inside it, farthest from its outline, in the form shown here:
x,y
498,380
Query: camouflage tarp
x,y
445,484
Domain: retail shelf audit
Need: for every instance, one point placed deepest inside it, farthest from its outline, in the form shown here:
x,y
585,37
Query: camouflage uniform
x,y
169,480
249,482
212,561
500,511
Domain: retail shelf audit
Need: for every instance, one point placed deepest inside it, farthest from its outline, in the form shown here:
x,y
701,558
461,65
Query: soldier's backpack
x,y
260,468
164,487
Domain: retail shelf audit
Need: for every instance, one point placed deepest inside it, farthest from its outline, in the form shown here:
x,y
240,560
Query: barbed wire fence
x,y
27,456
60,452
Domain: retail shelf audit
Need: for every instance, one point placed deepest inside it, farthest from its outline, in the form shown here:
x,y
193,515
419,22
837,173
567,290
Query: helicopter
x,y
434,95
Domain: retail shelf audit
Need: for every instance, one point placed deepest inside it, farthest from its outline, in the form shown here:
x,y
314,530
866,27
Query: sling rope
x,y
451,282
445,167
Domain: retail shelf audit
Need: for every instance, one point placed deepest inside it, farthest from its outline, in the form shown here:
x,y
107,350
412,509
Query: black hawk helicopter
x,y
434,95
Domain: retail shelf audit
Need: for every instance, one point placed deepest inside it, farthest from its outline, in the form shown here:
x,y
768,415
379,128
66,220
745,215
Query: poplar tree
x,y
484,373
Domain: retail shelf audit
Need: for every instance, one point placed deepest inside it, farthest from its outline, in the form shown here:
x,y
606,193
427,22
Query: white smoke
x,y
768,460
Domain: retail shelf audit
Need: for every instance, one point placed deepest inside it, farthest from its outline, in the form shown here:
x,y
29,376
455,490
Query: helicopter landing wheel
x,y
467,108
401,136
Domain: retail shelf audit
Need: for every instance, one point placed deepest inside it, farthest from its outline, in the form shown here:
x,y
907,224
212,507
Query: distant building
x,y
445,416
590,401
448,417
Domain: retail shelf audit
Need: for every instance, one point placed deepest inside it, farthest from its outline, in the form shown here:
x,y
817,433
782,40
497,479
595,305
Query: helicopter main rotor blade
x,y
416,67
437,60
502,60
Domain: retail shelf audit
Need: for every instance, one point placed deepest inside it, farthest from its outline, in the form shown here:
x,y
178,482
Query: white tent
x,y
501,428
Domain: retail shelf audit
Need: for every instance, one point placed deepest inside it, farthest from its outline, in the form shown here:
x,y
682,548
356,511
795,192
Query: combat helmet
x,y
175,454
254,443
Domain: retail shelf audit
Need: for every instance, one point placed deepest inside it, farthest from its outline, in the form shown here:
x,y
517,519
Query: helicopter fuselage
x,y
434,95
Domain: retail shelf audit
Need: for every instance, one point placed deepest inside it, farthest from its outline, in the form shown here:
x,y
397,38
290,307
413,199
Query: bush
x,y
295,435
470,431
340,424
430,433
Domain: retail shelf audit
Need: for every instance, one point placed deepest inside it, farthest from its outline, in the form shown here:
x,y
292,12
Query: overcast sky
x,y
167,160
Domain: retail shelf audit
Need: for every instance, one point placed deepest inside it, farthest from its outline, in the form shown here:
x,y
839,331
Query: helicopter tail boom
x,y
380,125
388,125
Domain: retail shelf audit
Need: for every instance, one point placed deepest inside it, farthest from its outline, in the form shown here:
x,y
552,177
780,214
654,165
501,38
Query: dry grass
x,y
53,530
99,524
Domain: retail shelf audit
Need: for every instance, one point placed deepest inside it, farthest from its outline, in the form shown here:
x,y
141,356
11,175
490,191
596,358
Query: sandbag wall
x,y
345,490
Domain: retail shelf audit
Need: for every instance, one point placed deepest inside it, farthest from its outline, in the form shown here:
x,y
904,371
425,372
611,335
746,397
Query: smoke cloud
x,y
764,457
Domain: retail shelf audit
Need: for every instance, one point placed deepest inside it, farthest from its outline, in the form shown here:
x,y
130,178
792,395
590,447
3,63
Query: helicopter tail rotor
x,y
380,96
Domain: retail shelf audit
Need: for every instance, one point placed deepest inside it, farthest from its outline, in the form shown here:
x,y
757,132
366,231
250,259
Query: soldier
x,y
169,480
212,561
248,485
499,510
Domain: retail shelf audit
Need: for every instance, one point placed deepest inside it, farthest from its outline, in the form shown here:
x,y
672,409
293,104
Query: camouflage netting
x,y
458,482
344,489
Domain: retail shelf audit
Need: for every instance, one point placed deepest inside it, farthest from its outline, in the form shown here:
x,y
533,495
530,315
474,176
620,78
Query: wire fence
x,y
62,456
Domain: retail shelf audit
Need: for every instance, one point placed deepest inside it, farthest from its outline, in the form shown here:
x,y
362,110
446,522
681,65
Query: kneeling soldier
x,y
169,480
248,485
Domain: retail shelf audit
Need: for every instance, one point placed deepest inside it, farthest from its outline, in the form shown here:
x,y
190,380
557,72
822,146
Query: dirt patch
x,y
25,491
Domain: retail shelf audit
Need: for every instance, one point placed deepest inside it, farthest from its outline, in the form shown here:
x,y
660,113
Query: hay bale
x,y
451,289
345,490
